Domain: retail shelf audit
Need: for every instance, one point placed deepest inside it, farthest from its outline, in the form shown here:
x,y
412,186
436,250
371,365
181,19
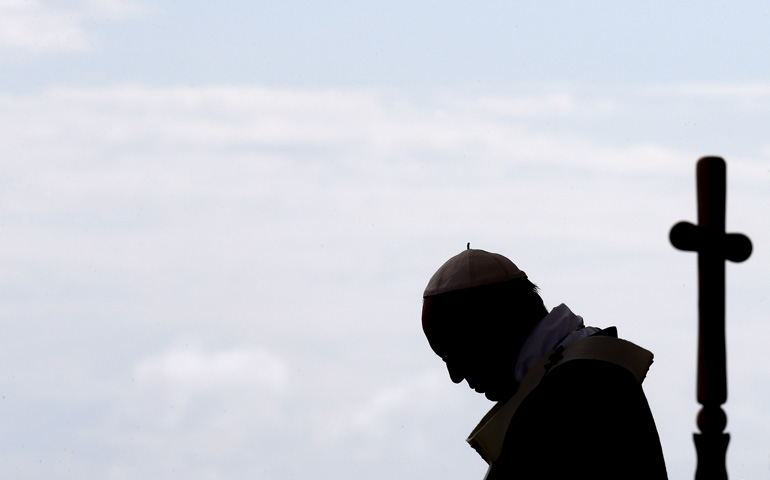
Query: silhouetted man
x,y
569,397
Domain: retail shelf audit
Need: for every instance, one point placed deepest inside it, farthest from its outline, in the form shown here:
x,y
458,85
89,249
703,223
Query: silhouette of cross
x,y
714,246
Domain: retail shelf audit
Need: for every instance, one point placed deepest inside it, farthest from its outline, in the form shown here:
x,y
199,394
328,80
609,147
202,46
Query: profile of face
x,y
477,351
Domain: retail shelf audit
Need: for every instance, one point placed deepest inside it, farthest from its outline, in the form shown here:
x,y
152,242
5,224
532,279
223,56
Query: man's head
x,y
477,311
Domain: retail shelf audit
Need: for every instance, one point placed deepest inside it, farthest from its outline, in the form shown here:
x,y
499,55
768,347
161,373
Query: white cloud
x,y
741,90
364,122
186,386
39,26
190,371
32,26
554,105
293,231
111,8
373,417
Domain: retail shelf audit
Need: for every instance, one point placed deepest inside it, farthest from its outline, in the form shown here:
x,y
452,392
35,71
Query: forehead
x,y
448,324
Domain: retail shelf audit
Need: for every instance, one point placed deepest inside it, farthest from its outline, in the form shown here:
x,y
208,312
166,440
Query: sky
x,y
218,219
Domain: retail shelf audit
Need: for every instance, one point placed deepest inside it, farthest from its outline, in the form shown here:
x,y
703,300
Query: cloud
x,y
40,26
355,131
290,233
190,371
32,26
553,105
745,91
184,387
373,417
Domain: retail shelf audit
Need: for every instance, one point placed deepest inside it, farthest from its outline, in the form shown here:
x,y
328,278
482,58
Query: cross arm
x,y
735,247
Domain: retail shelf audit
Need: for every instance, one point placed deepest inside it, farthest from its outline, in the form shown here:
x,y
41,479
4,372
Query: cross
x,y
714,246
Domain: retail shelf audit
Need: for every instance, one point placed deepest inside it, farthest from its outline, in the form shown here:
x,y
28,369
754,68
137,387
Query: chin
x,y
497,396
494,396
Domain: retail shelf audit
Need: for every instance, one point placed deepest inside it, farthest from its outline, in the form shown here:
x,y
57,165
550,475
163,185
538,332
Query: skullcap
x,y
469,269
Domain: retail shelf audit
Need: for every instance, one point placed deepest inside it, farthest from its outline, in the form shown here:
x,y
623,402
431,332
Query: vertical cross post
x,y
714,246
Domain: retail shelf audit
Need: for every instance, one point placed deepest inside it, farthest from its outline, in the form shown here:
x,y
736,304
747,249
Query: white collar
x,y
560,327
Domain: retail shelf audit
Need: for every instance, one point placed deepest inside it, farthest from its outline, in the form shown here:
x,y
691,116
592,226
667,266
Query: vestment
x,y
586,418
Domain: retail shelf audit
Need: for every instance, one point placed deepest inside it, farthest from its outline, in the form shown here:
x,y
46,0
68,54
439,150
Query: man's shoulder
x,y
588,373
603,347
569,392
607,332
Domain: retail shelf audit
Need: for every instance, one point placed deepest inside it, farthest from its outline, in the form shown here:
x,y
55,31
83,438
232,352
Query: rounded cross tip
x,y
711,159
684,236
738,247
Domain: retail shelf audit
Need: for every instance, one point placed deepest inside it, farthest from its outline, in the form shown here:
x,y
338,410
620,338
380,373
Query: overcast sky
x,y
218,218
